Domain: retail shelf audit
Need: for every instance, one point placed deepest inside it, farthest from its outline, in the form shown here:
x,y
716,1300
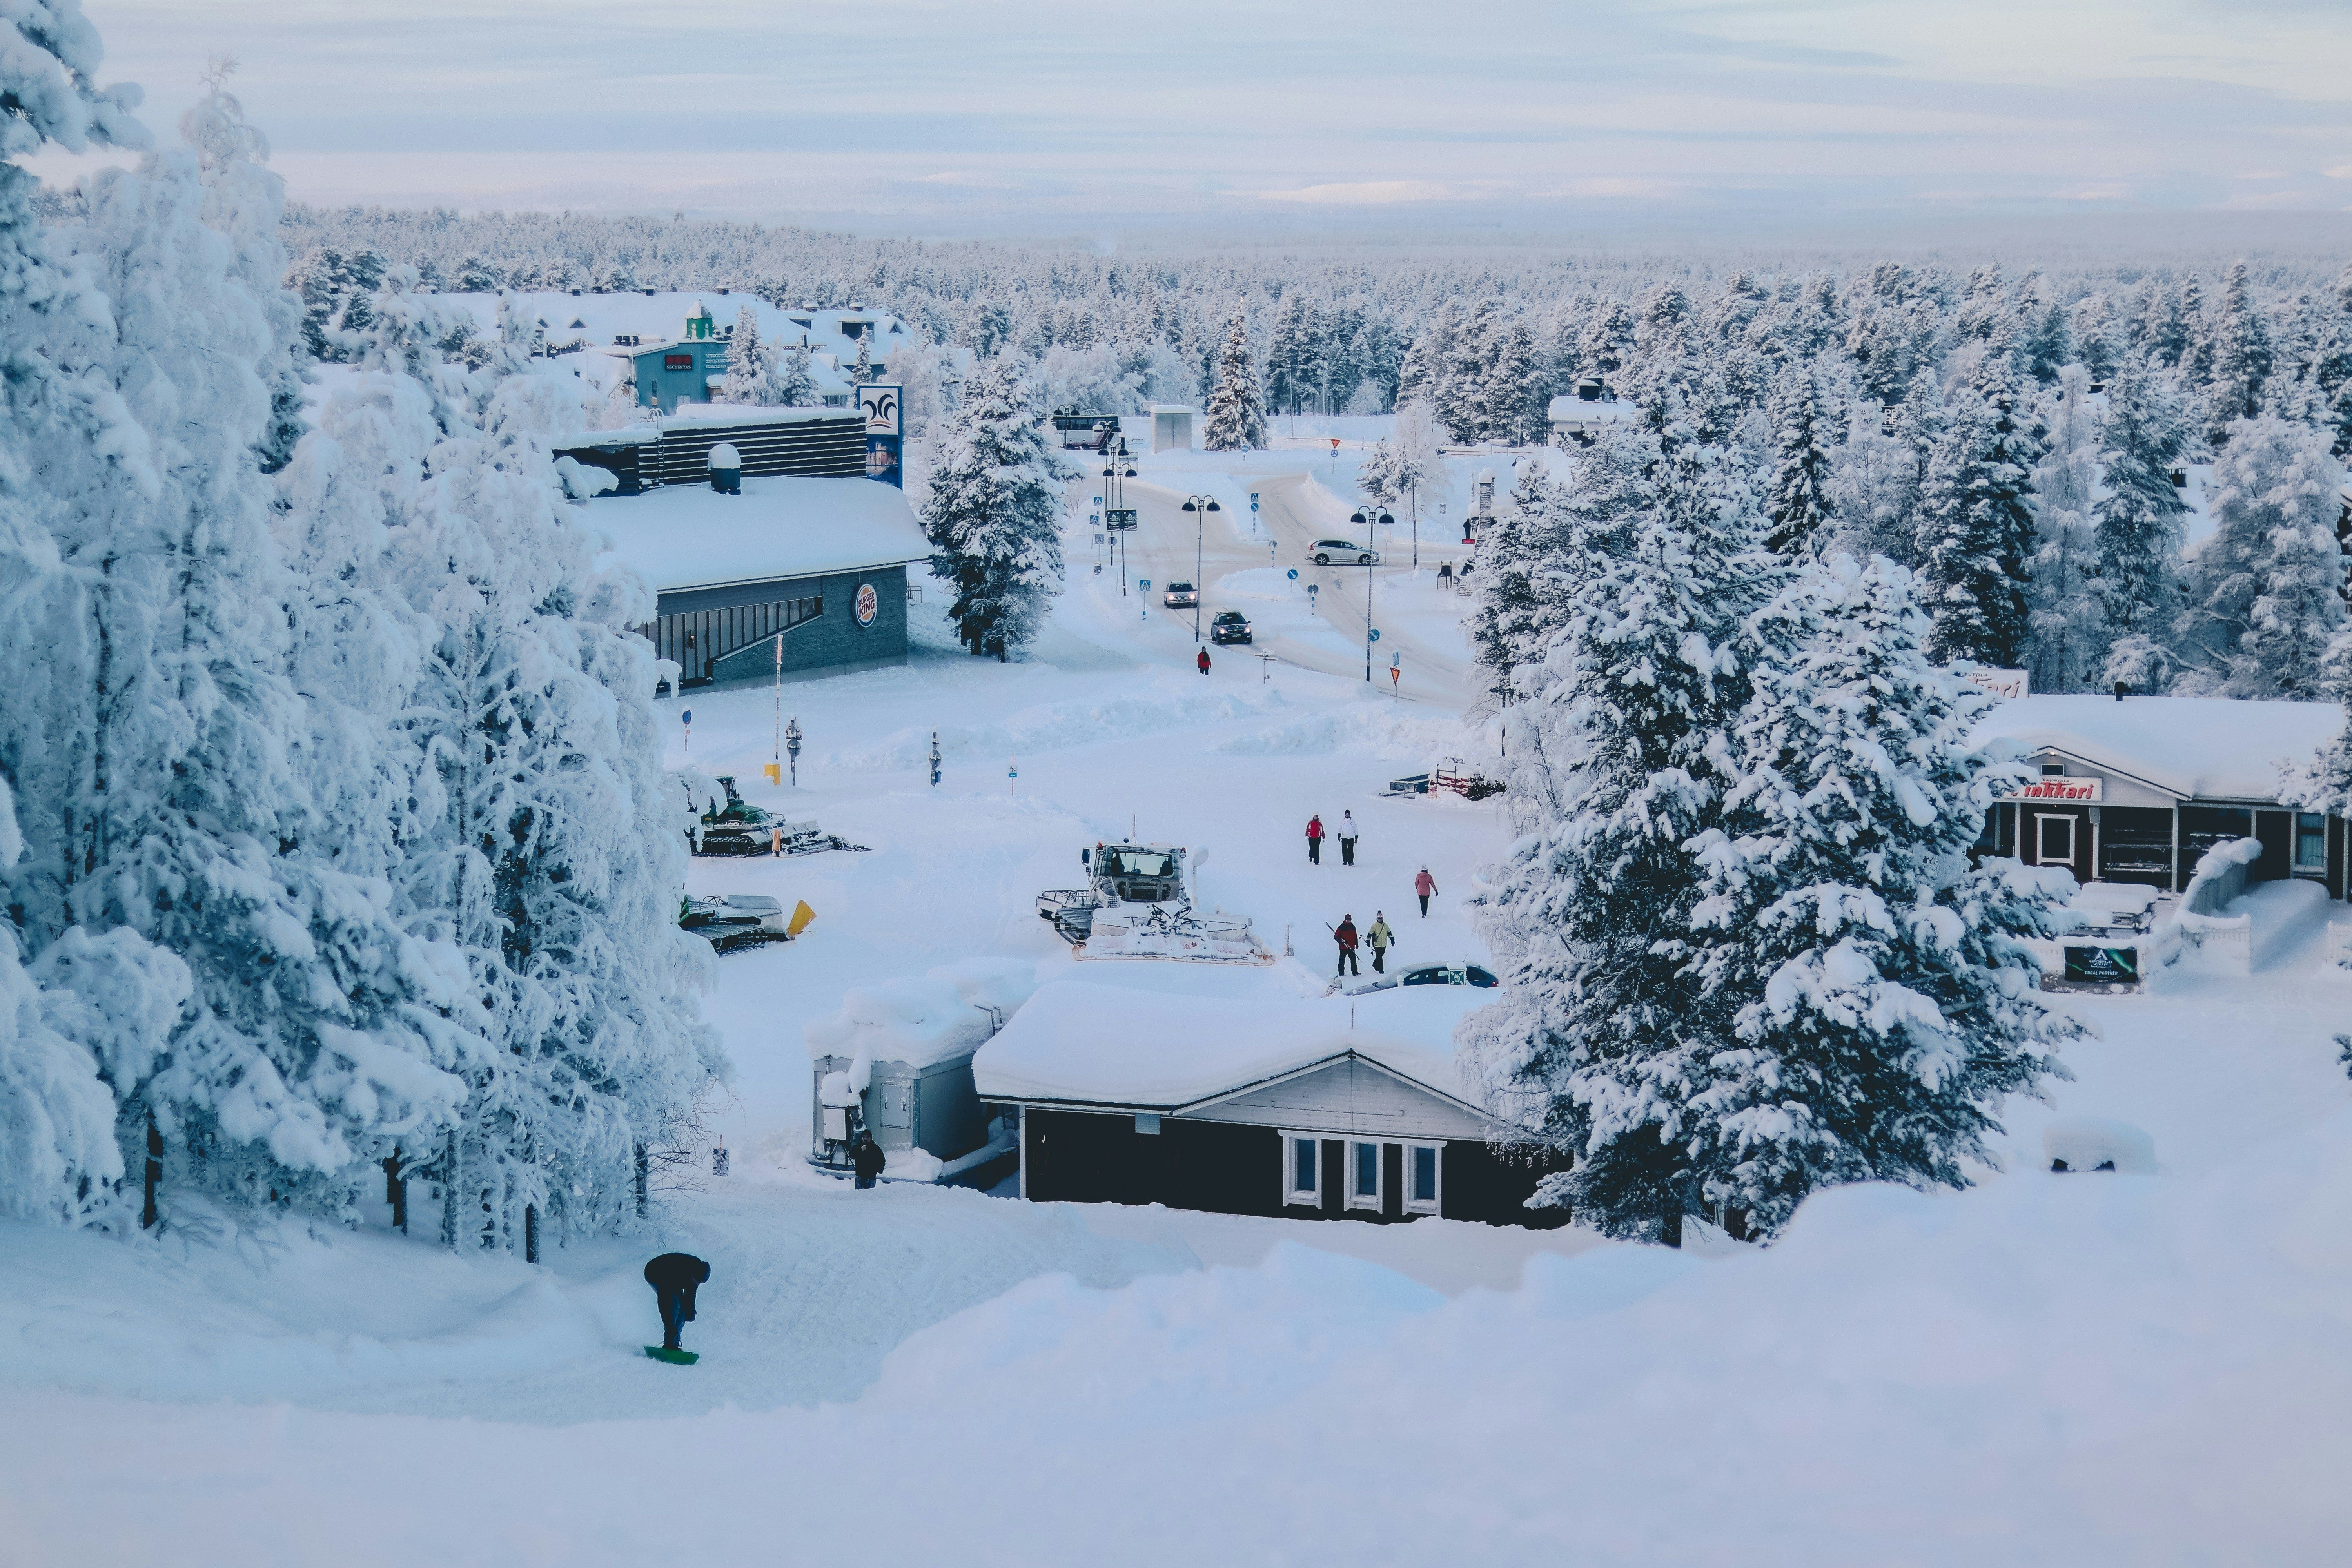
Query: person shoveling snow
x,y
674,1276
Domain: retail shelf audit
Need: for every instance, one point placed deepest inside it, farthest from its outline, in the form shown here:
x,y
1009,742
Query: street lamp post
x,y
1371,539
1200,507
1115,513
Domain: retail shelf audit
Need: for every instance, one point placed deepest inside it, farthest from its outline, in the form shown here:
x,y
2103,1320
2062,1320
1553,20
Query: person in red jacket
x,y
1203,660
1314,840
1424,885
1347,935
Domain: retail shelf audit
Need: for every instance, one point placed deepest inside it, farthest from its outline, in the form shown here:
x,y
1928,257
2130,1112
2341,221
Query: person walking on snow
x,y
674,1276
1381,939
865,1156
1203,660
1314,840
1347,937
1347,838
1424,885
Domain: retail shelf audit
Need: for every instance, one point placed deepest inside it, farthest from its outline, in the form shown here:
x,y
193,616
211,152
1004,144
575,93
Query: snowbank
x,y
1082,1041
923,1020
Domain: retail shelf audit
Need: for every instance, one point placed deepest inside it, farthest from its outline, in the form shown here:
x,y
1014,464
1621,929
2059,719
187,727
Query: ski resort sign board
x,y
2072,790
2003,682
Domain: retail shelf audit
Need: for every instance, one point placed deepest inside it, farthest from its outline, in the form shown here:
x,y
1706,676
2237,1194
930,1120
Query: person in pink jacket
x,y
1424,885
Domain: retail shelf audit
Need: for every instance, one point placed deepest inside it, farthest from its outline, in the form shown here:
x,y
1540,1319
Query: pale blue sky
x,y
921,115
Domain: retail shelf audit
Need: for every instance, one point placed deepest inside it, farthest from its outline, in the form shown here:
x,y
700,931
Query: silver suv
x,y
1326,551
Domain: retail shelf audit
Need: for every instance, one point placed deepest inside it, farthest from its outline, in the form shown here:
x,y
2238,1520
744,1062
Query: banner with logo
x,y
885,411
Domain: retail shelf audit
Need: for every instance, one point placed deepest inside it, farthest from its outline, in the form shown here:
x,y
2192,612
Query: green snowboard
x,y
675,1358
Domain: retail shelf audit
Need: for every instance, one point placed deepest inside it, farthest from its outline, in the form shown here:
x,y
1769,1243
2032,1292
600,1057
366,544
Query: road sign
x,y
1143,582
1294,574
1094,520
1374,634
1253,500
1098,500
686,717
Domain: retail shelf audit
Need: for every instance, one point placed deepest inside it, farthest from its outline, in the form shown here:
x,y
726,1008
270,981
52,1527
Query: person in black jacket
x,y
867,1155
674,1276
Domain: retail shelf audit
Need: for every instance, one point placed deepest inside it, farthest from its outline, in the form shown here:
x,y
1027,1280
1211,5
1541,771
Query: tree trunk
x,y
395,1193
642,1164
1670,1230
147,1213
531,1233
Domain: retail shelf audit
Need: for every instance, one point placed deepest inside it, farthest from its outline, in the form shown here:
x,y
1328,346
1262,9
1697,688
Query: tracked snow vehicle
x,y
739,828
1137,903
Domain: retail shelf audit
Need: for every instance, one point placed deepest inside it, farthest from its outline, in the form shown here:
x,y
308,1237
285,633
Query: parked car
x,y
1180,596
1326,551
1230,625
1424,974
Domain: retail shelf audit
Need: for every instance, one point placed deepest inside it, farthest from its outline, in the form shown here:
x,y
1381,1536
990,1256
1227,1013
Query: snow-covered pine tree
x,y
1593,1045
1376,476
1512,402
795,380
862,373
2266,589
1797,497
2139,528
994,513
2066,630
1236,419
1975,533
1288,352
750,375
2242,357
1523,581
1875,992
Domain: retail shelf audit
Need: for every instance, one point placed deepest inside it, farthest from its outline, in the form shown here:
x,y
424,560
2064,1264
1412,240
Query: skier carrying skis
x,y
865,1156
674,1276
1347,939
1202,658
1380,938
1424,885
1347,838
1314,840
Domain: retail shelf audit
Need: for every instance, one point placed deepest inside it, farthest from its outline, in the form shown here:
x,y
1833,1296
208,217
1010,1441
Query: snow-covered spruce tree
x,y
2265,597
1875,991
1595,1044
1238,410
2242,357
749,376
2139,528
994,513
536,843
795,380
1975,533
2066,630
1796,497
1523,581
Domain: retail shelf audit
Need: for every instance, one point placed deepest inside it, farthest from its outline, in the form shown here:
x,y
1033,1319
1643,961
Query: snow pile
x,y
1377,728
921,1020
1053,726
2089,1143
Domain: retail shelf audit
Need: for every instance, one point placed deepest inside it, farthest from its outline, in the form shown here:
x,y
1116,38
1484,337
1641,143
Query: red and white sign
x,y
2074,792
2003,682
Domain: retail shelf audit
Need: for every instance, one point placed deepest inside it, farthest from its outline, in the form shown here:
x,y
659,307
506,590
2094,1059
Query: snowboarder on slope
x,y
1347,838
1314,840
674,1276
1424,885
1380,938
1347,937
1203,660
865,1156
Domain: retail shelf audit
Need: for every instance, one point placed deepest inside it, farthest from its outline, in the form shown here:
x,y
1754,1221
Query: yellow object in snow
x,y
801,916
775,772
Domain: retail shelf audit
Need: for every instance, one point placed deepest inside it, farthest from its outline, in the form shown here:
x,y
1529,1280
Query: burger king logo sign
x,y
869,604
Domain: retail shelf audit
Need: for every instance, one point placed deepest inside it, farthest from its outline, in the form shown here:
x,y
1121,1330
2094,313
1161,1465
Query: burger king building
x,y
2138,790
811,570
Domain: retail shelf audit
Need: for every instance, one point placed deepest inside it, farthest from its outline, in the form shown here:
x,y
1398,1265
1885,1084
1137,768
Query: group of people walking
x,y
1379,938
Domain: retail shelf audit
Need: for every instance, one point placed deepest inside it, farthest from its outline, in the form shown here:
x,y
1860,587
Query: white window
x,y
2054,840
1425,1177
1302,1169
2310,841
1364,1183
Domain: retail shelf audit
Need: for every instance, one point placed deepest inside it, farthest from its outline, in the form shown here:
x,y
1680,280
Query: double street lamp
x,y
1200,507
1366,517
1117,517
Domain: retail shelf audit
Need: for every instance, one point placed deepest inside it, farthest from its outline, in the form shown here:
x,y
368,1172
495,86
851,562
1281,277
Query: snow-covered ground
x,y
2047,1369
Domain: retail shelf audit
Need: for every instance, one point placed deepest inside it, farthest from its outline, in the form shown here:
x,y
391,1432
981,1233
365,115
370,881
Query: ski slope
x,y
2046,1369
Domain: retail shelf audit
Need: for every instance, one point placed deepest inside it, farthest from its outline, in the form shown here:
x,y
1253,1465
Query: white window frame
x,y
1432,1205
2296,828
1294,1195
2041,819
1356,1200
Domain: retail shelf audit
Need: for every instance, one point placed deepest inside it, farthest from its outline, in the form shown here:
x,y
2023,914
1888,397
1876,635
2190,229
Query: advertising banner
x,y
885,432
2106,965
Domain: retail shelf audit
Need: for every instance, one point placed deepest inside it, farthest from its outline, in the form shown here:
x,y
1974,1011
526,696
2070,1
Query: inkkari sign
x,y
2108,966
2072,791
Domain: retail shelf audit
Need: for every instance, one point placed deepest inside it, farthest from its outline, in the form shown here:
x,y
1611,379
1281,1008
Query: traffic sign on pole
x,y
1294,574
1374,634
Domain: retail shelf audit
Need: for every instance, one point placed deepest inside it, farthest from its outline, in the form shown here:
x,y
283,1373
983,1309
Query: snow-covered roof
x,y
2197,748
660,318
1569,407
702,417
1084,1042
690,536
923,1020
